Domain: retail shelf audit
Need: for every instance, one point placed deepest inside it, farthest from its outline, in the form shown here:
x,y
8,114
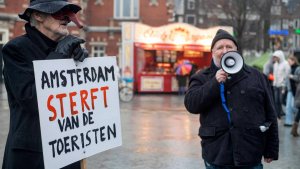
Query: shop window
x,y
126,9
98,51
161,61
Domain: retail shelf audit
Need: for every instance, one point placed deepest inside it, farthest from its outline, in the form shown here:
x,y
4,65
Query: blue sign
x,y
278,32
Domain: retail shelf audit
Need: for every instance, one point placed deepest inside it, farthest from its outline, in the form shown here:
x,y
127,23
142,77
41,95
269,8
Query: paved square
x,y
159,133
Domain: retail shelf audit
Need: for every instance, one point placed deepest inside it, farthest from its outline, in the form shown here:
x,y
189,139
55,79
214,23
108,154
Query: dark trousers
x,y
24,159
182,81
297,117
211,166
278,101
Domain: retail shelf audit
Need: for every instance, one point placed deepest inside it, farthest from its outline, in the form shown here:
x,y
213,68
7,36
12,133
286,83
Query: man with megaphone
x,y
238,124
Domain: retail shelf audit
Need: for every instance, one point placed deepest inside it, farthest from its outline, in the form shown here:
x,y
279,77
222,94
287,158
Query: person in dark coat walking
x,y
181,77
251,132
47,37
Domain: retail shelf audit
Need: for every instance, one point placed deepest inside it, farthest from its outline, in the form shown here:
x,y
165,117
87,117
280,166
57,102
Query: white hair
x,y
32,21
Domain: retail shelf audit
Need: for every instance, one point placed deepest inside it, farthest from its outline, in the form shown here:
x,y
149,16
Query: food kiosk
x,y
150,53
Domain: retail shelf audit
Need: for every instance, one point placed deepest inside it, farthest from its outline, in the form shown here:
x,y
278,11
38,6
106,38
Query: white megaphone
x,y
232,62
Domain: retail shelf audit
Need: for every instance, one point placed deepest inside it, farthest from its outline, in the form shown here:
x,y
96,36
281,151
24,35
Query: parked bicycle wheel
x,y
126,94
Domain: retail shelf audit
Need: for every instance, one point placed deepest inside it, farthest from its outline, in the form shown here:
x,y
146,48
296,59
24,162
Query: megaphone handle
x,y
223,100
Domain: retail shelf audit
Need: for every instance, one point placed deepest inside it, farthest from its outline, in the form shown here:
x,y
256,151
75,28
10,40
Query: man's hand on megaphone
x,y
69,46
221,75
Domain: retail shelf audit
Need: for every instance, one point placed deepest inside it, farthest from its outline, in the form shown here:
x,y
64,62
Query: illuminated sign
x,y
176,34
297,31
278,32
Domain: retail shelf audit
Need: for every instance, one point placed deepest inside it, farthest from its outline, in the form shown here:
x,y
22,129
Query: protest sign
x,y
78,108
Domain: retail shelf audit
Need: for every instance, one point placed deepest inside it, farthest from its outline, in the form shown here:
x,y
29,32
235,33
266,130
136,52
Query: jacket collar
x,y
244,73
212,69
42,41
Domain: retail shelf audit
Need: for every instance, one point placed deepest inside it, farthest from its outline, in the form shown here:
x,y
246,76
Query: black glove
x,y
70,47
79,54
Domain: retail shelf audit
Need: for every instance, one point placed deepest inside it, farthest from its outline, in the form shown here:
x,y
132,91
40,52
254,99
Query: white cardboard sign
x,y
78,108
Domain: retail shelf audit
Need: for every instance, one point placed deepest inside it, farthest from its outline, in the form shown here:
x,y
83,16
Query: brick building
x,y
102,20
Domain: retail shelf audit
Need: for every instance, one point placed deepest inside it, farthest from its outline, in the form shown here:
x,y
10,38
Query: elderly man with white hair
x,y
47,37
240,135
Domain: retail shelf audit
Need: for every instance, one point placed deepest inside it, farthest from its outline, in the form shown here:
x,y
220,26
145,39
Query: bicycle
x,y
126,92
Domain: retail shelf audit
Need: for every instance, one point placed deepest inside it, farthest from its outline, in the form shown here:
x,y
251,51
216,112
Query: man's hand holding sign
x,y
77,106
75,117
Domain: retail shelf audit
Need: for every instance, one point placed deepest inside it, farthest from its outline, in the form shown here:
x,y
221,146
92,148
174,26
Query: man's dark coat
x,y
249,99
24,147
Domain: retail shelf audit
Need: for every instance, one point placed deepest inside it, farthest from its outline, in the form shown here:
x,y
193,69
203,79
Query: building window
x,y
99,2
276,10
126,9
153,3
191,4
296,23
3,40
276,25
190,19
98,51
285,24
3,36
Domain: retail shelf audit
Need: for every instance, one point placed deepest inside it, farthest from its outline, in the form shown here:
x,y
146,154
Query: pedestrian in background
x,y
291,91
281,72
193,70
47,37
268,69
252,131
182,75
268,66
296,77
294,131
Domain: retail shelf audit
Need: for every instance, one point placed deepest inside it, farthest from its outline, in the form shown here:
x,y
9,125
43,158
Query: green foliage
x,y
258,62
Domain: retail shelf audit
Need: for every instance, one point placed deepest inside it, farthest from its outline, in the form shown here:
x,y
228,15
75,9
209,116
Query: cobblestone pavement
x,y
158,133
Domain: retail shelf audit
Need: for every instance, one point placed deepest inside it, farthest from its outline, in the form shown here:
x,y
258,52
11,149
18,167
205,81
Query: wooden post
x,y
83,164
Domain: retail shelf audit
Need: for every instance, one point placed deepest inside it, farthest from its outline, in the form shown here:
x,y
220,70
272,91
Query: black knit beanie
x,y
222,34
